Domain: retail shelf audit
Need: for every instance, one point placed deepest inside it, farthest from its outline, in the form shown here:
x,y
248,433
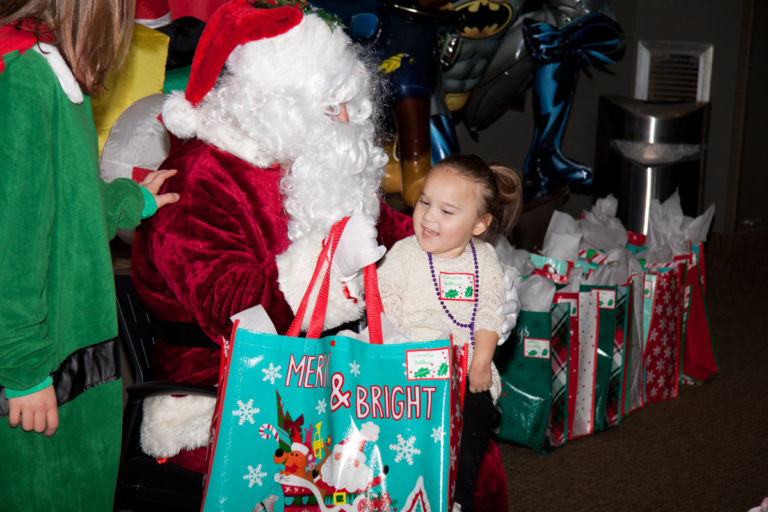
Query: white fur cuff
x,y
172,424
295,268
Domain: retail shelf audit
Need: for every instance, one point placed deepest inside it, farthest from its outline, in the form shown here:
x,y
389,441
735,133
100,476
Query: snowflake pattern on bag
x,y
662,351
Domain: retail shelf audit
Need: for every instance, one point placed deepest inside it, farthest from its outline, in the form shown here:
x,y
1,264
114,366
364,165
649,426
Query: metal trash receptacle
x,y
646,151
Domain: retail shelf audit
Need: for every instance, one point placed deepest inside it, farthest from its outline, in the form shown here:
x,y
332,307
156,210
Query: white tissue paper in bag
x,y
600,228
517,259
617,269
255,319
536,294
575,277
669,231
562,239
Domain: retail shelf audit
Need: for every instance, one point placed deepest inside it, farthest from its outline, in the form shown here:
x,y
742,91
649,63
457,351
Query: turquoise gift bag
x,y
333,423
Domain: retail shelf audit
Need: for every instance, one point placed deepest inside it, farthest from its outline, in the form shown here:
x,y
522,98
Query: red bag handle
x,y
373,307
316,321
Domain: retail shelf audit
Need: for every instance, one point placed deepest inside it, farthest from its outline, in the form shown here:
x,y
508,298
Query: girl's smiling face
x,y
446,216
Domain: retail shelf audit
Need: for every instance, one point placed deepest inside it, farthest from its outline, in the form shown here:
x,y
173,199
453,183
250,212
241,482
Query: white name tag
x,y
457,287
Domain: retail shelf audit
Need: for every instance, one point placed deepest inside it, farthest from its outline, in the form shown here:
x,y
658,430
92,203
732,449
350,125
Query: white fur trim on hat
x,y
156,23
370,431
180,117
300,447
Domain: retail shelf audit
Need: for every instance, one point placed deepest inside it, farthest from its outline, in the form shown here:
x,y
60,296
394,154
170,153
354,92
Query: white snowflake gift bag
x,y
663,306
332,423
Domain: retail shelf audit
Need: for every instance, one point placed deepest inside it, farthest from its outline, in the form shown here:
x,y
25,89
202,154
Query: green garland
x,y
330,19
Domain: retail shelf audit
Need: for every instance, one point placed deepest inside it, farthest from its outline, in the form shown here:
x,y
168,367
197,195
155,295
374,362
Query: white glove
x,y
508,309
357,247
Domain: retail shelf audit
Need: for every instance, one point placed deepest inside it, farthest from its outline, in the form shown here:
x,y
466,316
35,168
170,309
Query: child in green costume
x,y
60,386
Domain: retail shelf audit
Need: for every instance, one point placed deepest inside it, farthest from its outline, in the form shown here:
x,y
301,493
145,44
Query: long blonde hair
x,y
91,35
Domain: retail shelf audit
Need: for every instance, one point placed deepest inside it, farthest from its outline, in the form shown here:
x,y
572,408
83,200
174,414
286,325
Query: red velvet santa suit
x,y
214,255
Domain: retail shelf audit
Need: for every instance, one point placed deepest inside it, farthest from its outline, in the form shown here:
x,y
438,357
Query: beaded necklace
x,y
471,324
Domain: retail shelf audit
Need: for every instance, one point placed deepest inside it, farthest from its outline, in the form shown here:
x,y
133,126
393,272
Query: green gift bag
x,y
534,375
621,342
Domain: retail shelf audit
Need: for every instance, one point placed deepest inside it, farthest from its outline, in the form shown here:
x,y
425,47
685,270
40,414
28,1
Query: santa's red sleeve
x,y
212,254
393,226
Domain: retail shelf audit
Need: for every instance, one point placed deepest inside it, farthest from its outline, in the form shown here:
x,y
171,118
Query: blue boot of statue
x,y
545,165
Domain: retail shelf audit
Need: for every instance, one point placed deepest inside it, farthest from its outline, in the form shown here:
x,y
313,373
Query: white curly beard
x,y
340,168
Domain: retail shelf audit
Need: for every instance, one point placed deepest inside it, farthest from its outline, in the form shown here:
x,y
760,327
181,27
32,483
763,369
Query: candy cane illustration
x,y
266,429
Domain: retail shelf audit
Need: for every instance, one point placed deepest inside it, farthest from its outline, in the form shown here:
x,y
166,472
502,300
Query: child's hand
x,y
37,411
480,378
154,182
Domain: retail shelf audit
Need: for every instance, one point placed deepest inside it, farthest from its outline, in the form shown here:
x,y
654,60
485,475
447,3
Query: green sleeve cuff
x,y
12,393
150,205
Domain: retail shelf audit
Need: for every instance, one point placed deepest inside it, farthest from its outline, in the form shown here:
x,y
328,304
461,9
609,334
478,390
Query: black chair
x,y
144,484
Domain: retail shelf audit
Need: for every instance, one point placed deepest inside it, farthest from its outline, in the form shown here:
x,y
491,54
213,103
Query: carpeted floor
x,y
706,450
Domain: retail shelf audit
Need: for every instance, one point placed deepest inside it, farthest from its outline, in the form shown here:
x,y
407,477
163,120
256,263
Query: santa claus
x,y
345,470
280,144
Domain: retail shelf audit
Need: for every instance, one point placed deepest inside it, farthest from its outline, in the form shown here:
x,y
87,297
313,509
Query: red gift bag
x,y
699,360
662,348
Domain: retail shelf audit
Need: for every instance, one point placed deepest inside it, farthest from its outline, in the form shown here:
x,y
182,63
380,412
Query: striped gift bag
x,y
557,426
623,325
634,369
572,300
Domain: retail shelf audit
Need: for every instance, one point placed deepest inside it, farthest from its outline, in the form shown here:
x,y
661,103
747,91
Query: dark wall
x,y
751,207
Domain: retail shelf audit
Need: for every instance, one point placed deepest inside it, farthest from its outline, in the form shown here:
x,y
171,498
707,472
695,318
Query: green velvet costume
x,y
57,298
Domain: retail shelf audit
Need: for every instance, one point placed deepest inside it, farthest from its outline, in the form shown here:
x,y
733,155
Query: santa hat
x,y
368,432
300,447
153,13
268,47
234,23
356,441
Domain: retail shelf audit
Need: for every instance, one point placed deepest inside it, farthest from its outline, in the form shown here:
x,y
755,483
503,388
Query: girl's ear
x,y
482,224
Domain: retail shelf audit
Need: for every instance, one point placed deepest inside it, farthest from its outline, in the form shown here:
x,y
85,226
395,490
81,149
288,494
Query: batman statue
x,y
471,60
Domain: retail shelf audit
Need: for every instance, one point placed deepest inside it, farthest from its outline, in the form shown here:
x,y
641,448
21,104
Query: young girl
x,y
446,277
60,387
